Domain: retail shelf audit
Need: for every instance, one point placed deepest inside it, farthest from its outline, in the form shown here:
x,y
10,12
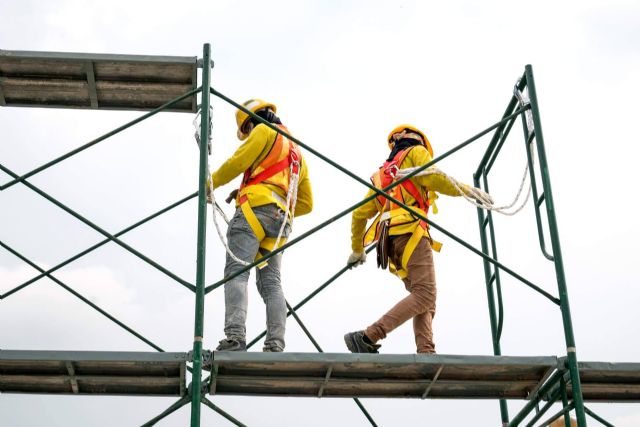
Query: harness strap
x,y
269,172
251,218
267,244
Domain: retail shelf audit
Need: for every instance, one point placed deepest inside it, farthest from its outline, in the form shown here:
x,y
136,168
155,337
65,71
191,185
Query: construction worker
x,y
273,169
403,240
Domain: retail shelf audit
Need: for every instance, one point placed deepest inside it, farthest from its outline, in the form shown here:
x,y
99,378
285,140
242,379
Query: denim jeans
x,y
244,245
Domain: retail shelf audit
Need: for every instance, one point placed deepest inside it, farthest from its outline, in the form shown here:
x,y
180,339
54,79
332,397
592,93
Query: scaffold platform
x,y
96,81
93,372
308,375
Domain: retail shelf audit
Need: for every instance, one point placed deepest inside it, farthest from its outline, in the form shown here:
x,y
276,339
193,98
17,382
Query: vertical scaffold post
x,y
196,382
572,359
504,411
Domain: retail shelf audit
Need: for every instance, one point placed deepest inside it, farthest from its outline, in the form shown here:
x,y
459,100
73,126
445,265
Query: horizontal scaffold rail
x,y
310,375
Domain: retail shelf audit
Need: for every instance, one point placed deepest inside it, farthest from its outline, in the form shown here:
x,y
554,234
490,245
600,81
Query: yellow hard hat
x,y
413,129
252,105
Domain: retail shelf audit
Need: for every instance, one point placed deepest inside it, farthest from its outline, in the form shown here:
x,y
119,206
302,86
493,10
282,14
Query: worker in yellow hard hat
x,y
266,202
403,240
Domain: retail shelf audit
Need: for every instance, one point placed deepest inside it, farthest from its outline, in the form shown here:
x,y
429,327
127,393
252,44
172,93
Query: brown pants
x,y
420,304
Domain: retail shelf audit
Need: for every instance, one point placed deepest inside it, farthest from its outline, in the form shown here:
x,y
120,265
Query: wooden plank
x,y
346,387
98,81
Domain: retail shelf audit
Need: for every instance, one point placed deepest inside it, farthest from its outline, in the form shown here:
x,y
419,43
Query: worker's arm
x,y
304,202
438,182
359,219
244,156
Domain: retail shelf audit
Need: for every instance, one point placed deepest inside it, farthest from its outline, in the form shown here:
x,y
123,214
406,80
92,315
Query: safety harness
x,y
390,215
280,168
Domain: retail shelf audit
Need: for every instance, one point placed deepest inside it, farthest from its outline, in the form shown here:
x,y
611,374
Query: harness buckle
x,y
393,171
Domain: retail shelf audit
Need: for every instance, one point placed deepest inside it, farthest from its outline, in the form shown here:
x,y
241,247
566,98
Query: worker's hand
x,y
232,196
480,196
357,258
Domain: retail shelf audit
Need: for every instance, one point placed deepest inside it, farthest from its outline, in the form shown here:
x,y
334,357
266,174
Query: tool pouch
x,y
382,247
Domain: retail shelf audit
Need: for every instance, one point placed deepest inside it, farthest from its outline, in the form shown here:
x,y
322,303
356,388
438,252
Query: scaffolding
x,y
156,84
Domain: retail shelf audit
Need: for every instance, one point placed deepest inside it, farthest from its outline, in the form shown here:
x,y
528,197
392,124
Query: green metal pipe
x,y
564,411
79,296
99,139
202,240
534,191
217,409
97,245
496,273
317,346
572,359
513,102
597,418
534,400
494,262
543,411
303,327
495,334
311,295
100,230
351,174
292,311
565,402
170,410
381,192
503,139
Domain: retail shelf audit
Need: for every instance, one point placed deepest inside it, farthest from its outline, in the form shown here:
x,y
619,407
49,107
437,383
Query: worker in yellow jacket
x,y
403,240
275,187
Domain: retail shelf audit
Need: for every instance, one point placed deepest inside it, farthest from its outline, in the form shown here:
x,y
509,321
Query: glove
x,y
357,258
480,196
232,196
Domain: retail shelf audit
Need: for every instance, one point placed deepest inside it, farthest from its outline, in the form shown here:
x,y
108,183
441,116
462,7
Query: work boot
x,y
357,343
272,349
232,344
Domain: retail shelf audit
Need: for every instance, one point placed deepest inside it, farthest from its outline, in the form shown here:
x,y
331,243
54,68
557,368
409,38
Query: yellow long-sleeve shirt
x,y
249,155
417,156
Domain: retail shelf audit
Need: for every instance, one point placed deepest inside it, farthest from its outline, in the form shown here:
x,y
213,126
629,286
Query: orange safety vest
x,y
397,215
276,169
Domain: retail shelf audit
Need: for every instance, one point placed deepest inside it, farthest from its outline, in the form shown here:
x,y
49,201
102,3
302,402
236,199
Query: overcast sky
x,y
342,75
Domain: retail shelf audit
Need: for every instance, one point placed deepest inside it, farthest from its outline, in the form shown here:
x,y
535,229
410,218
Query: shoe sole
x,y
350,342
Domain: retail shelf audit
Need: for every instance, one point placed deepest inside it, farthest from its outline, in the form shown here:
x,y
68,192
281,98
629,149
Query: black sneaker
x,y
232,344
356,344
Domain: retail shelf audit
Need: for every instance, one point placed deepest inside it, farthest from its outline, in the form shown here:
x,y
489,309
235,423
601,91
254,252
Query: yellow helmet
x,y
412,129
252,105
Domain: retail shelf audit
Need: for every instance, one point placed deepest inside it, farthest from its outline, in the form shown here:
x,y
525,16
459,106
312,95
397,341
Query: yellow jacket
x,y
248,156
417,156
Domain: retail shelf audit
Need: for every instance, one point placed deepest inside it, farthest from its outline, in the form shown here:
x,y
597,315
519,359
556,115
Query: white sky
x,y
342,74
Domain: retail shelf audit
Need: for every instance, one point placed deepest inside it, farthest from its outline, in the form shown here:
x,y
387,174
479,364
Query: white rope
x,y
214,205
480,204
292,198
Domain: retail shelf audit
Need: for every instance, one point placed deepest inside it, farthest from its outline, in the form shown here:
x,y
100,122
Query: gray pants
x,y
245,245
